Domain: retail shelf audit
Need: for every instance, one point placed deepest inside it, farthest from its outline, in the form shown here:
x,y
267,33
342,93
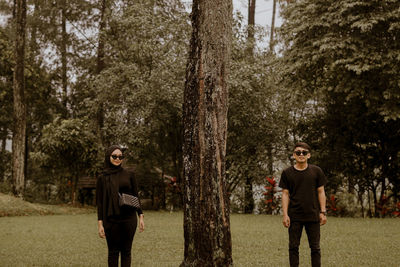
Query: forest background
x,y
105,72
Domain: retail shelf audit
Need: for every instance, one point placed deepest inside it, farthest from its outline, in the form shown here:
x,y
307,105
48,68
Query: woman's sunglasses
x,y
117,157
298,152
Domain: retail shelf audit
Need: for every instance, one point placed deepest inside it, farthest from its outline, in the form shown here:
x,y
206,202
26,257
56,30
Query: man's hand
x,y
102,234
286,221
322,219
285,205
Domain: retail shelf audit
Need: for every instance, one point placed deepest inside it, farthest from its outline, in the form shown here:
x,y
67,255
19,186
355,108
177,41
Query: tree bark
x,y
206,202
19,134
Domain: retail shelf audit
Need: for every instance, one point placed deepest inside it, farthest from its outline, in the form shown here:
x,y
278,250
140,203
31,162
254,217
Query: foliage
x,y
346,47
68,145
347,205
334,84
6,92
339,56
5,168
68,150
257,116
141,86
146,44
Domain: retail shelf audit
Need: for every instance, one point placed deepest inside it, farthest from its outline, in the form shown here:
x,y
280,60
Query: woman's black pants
x,y
313,234
119,237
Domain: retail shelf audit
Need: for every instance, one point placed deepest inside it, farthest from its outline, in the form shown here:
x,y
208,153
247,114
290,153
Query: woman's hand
x,y
102,234
141,223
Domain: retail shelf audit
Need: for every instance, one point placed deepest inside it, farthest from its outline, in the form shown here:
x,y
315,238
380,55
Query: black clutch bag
x,y
128,200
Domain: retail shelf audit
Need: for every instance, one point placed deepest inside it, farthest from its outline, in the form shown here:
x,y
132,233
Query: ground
x,y
258,240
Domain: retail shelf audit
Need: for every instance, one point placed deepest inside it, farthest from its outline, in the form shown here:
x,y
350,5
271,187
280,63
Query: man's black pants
x,y
119,237
313,234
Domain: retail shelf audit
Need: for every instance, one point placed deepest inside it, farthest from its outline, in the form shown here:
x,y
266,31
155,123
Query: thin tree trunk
x,y
270,158
360,197
271,40
3,149
74,187
4,142
164,195
369,205
206,202
251,27
19,134
34,28
248,195
64,43
100,47
376,208
99,68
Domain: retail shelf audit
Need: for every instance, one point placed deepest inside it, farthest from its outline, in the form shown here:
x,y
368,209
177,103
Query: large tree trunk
x,y
19,134
206,203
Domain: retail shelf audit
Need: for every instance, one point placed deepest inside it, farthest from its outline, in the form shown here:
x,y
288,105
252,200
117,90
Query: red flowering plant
x,y
172,184
272,199
382,206
331,206
173,192
396,212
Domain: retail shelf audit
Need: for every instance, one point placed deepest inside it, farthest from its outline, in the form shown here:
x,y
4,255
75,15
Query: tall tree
x,y
63,52
100,66
206,202
248,190
19,134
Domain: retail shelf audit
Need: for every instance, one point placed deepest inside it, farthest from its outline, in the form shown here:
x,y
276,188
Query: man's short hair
x,y
302,145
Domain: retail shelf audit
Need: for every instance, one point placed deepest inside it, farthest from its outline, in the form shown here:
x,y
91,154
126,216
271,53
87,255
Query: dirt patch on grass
x,y
13,206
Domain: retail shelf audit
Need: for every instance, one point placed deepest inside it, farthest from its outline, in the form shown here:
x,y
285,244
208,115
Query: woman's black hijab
x,y
110,173
110,168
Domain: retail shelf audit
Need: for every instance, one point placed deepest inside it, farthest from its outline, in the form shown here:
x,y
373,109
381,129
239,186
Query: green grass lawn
x,y
258,240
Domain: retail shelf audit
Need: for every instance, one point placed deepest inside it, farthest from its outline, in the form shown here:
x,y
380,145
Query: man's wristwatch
x,y
323,212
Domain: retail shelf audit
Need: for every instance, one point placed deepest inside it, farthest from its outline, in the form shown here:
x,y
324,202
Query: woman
x,y
117,223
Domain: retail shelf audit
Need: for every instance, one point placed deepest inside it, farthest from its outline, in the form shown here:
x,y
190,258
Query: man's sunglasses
x,y
298,152
117,157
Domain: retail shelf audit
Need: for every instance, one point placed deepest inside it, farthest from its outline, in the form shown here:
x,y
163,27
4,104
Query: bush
x,y
343,204
5,187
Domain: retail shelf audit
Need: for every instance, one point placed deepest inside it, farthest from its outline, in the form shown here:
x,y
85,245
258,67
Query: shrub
x,y
343,204
272,198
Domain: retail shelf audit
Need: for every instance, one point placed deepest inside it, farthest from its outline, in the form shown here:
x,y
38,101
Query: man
x,y
303,203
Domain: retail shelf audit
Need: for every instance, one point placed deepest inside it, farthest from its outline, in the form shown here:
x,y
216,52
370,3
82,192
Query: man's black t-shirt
x,y
303,193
